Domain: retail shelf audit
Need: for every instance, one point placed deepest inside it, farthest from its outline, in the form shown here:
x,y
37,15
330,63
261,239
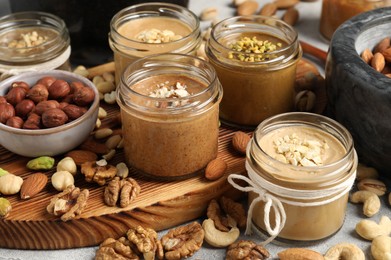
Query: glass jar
x,y
300,167
132,32
169,109
254,90
33,41
335,12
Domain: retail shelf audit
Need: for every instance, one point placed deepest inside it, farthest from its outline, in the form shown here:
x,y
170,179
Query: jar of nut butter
x,y
169,108
33,41
300,167
335,12
152,28
255,58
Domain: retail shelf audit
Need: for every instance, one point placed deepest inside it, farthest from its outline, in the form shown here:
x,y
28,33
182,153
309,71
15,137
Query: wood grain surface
x,y
160,205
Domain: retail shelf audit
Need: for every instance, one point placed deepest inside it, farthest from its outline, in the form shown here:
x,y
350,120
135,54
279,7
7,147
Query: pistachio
x,y
5,207
252,49
41,163
3,172
373,185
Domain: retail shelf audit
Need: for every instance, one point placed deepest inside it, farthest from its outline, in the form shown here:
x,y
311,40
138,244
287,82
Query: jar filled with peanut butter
x,y
336,12
152,28
33,41
255,58
169,109
300,167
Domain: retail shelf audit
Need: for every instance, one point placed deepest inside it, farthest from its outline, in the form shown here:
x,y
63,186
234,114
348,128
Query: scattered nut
x,y
369,229
84,96
115,249
146,242
208,14
246,249
371,202
381,248
105,87
102,113
299,253
108,156
344,251
113,141
62,179
98,173
123,191
364,172
82,156
82,71
240,141
122,170
373,185
110,98
217,238
67,164
234,210
103,133
33,185
10,184
41,163
98,123
269,9
5,207
285,4
215,169
107,76
248,7
291,16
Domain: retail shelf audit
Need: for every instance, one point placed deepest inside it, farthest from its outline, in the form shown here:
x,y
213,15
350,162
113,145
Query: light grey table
x,y
308,32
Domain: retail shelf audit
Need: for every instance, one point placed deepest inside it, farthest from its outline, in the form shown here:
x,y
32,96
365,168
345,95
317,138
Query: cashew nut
x,y
369,229
346,251
381,248
67,164
218,238
364,172
371,202
62,179
10,184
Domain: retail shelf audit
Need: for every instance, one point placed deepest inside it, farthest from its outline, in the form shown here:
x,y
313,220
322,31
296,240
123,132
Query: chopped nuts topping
x,y
252,49
168,90
157,36
299,152
27,40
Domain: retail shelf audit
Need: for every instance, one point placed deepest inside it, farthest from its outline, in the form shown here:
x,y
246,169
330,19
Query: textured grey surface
x,y
308,31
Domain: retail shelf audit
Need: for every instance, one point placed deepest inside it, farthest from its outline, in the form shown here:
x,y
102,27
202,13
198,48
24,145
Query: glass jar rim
x,y
119,18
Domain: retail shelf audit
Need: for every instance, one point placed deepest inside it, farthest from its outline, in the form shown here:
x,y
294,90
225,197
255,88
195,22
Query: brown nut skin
x,y
59,89
6,111
15,95
32,122
46,81
84,96
68,99
63,104
3,100
21,84
24,107
46,105
38,93
76,85
73,112
54,117
15,122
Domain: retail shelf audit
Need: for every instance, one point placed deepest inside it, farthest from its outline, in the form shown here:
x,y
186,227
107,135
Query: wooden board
x,y
160,205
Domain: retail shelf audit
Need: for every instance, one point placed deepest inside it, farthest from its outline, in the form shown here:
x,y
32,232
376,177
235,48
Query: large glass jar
x,y
254,89
152,28
300,167
335,12
33,41
169,109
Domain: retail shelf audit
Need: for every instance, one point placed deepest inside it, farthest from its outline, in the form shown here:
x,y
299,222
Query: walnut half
x,y
124,191
115,249
98,171
246,249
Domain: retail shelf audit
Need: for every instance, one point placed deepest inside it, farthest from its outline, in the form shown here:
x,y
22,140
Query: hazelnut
x,y
75,85
46,105
62,105
32,122
84,96
59,89
54,117
15,121
38,93
15,95
46,81
73,112
6,111
24,107
68,99
3,100
21,84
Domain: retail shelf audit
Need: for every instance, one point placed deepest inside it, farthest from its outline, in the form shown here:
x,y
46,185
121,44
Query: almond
x,y
378,62
215,169
387,54
82,156
291,16
299,254
382,45
268,9
240,141
367,56
94,146
248,8
285,4
33,185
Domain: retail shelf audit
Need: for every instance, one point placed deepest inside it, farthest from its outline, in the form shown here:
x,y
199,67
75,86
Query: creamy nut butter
x,y
255,58
169,109
152,28
300,168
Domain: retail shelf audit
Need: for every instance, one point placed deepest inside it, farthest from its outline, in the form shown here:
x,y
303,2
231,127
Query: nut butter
x,y
335,12
33,41
257,82
169,109
300,167
152,28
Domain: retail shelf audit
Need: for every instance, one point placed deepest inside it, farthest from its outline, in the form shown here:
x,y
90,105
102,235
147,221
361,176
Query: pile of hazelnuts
x,y
50,102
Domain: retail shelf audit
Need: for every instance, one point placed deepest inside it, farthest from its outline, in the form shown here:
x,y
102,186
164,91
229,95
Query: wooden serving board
x,y
160,205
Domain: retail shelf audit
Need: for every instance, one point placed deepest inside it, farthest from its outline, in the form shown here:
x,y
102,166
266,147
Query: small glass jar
x,y
254,90
335,12
169,135
134,32
305,199
33,41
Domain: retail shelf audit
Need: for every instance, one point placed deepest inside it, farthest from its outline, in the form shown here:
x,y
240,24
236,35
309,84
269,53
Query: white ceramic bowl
x,y
50,141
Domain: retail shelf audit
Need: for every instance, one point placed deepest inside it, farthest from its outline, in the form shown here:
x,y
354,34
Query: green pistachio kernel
x,y
41,163
3,172
253,50
5,207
